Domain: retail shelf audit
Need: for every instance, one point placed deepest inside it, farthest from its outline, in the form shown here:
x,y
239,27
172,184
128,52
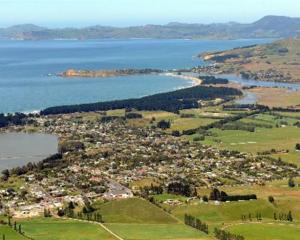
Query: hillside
x,y
278,61
269,26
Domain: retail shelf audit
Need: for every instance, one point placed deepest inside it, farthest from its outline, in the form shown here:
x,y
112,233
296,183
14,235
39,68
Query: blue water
x,y
249,82
251,98
25,65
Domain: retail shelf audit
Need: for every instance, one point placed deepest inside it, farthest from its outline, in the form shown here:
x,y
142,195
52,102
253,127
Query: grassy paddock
x,y
57,229
267,231
165,196
133,210
10,234
261,140
157,231
233,211
181,124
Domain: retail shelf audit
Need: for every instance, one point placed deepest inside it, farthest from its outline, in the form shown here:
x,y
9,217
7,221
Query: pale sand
x,y
196,81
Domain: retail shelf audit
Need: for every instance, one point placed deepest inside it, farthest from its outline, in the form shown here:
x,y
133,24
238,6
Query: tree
x,y
5,175
47,213
163,124
215,195
60,212
271,199
9,220
290,217
291,183
205,198
71,205
176,133
181,186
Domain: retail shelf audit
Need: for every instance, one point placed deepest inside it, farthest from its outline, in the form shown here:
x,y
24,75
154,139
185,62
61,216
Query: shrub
x,y
291,183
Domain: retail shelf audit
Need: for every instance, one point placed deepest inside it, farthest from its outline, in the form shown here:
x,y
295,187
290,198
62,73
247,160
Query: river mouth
x,y
19,149
250,97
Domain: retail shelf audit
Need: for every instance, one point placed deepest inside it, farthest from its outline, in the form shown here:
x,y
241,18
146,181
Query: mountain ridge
x,y
266,27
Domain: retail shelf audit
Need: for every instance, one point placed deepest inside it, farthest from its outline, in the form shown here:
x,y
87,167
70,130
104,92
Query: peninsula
x,y
107,73
276,62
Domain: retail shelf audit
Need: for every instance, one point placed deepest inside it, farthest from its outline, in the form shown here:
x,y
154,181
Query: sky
x,y
79,13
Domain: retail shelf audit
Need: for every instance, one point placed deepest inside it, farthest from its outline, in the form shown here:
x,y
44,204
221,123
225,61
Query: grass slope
x,y
9,233
56,229
133,210
226,211
137,219
156,231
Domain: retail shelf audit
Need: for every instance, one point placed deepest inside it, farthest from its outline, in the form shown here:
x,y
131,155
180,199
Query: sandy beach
x,y
196,81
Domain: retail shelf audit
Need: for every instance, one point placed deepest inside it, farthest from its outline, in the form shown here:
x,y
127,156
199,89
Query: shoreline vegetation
x,y
170,101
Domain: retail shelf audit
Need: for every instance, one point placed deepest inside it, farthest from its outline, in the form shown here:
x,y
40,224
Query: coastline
x,y
195,81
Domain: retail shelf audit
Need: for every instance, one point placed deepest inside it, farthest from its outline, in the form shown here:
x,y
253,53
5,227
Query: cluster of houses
x,y
113,155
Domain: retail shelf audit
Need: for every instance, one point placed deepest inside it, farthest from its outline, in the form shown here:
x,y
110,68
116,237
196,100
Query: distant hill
x,y
267,27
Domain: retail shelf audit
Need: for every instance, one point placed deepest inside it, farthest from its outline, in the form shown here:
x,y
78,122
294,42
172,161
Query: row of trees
x,y
180,187
195,223
250,127
213,80
49,162
170,101
87,213
12,119
222,196
284,217
249,217
94,217
277,217
16,227
238,107
223,235
150,190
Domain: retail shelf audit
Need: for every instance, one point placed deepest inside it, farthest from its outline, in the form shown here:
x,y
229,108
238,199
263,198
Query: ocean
x,y
28,69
